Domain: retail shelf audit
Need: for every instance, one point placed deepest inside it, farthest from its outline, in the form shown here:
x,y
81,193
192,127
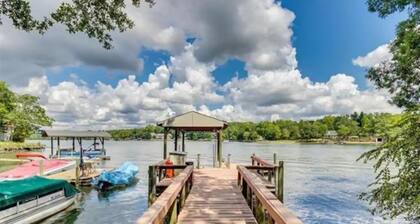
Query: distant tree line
x,y
362,125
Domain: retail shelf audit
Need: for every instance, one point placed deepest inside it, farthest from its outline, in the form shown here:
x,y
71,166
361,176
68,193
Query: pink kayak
x,y
32,168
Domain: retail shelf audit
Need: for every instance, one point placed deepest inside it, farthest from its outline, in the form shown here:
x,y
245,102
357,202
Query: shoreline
x,y
20,146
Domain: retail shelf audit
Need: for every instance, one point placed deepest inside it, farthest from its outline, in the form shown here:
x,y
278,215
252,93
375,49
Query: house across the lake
x,y
331,134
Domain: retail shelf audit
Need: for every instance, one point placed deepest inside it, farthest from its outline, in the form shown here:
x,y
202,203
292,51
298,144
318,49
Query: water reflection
x,y
322,182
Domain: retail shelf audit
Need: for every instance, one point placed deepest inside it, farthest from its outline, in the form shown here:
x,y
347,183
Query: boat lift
x,y
79,136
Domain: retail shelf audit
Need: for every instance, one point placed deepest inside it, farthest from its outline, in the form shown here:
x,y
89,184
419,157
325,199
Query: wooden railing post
x,y
174,212
152,185
259,212
265,207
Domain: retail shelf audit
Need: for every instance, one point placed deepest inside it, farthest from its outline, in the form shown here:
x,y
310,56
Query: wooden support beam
x,y
176,141
81,152
103,145
165,143
94,143
183,141
58,147
219,147
52,147
73,146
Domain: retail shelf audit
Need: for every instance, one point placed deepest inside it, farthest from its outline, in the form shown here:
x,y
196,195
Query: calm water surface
x,y
322,182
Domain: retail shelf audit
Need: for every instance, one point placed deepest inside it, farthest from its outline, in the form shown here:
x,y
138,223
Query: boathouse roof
x,y
193,121
75,134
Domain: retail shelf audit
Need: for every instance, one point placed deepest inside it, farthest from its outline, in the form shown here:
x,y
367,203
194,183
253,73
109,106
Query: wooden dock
x,y
215,198
240,194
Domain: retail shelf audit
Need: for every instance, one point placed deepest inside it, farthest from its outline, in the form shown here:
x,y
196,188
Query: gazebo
x,y
189,122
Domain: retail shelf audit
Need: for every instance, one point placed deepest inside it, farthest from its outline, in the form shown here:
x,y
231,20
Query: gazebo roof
x,y
75,134
193,121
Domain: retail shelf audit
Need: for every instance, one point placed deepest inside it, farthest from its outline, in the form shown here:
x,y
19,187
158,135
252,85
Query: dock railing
x,y
264,204
158,180
272,174
166,207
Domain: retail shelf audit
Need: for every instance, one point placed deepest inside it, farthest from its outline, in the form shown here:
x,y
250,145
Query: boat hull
x,y
24,214
32,168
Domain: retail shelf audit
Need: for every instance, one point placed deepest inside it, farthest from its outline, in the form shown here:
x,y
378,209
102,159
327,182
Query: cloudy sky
x,y
237,60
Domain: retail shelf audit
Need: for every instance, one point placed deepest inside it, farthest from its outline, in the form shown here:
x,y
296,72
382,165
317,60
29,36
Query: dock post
x,y
152,185
198,161
41,167
228,161
77,172
279,181
274,158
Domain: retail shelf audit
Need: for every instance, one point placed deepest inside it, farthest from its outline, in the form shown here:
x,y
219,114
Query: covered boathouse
x,y
189,122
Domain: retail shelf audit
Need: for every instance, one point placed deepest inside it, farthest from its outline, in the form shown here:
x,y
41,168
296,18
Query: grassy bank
x,y
19,146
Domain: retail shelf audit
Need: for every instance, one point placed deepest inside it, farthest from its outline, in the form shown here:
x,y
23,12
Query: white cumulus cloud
x,y
375,57
257,32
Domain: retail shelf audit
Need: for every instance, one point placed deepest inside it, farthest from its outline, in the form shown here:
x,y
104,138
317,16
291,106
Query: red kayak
x,y
30,155
32,168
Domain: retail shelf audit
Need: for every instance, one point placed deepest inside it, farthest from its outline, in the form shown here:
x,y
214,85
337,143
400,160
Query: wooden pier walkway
x,y
241,194
215,198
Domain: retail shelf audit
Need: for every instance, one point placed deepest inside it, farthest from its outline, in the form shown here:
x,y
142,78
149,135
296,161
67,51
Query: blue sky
x,y
327,35
239,60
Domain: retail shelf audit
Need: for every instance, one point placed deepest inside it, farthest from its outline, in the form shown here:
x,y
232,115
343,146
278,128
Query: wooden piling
x,y
152,185
77,175
274,158
280,181
198,161
41,167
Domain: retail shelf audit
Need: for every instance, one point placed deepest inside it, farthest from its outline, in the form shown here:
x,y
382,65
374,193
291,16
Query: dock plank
x,y
215,198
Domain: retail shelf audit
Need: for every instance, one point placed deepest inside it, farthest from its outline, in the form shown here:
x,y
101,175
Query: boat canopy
x,y
12,191
76,134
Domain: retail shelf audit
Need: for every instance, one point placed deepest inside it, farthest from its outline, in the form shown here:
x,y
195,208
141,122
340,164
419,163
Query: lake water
x,y
322,182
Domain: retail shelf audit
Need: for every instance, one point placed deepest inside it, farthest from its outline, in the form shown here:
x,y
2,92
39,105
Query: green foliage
x,y
396,190
96,18
401,76
367,125
145,133
387,7
7,103
21,114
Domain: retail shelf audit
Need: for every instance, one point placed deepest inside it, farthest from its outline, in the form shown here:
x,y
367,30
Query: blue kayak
x,y
122,176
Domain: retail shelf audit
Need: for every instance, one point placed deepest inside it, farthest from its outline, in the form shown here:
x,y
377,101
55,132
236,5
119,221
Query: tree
x,y
400,76
96,18
27,117
7,103
396,189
